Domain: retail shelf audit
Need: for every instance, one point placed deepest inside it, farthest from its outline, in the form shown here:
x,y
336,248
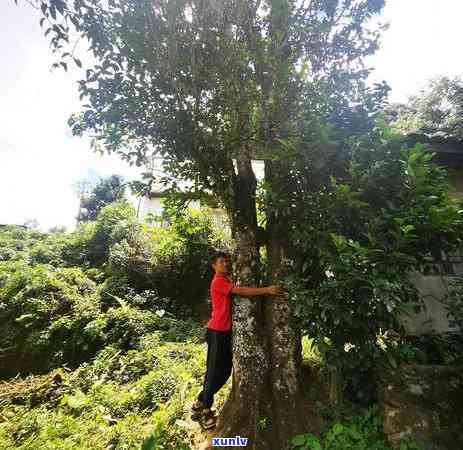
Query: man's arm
x,y
248,291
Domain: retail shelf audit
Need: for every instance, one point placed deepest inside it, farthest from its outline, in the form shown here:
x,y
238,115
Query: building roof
x,y
449,151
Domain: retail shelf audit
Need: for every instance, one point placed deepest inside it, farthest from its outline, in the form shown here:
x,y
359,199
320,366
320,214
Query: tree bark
x,y
267,403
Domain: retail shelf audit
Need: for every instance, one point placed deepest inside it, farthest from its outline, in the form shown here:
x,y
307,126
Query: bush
x,y
363,431
113,223
43,311
358,238
126,286
180,258
118,400
164,263
124,326
53,316
455,304
15,242
442,349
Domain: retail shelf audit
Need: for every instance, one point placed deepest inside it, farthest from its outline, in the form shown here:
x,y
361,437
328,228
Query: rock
x,y
423,402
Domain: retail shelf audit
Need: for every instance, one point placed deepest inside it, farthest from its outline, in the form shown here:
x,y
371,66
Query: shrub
x,y
113,223
358,239
180,258
117,400
43,311
362,431
125,325
15,242
455,303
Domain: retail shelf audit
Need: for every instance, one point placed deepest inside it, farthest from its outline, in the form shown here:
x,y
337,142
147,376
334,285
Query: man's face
x,y
221,265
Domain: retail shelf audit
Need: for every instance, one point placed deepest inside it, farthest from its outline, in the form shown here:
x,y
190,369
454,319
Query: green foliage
x,y
119,400
151,261
360,432
454,303
182,252
54,316
279,80
43,311
126,286
358,239
108,190
18,243
442,349
113,224
437,110
213,91
148,258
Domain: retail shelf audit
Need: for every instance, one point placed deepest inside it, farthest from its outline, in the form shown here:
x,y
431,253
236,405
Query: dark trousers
x,y
219,364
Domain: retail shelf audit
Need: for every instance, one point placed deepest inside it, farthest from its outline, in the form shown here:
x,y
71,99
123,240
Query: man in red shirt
x,y
219,335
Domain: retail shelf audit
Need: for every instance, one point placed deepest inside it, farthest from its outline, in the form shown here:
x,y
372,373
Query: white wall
x,y
433,318
155,206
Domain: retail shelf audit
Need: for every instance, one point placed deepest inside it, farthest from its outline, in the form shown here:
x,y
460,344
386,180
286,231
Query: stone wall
x,y
424,402
433,318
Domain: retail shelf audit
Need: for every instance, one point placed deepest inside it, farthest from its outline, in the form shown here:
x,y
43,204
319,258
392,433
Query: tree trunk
x,y
267,403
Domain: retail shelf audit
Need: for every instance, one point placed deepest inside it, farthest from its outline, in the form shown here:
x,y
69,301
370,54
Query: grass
x,y
117,401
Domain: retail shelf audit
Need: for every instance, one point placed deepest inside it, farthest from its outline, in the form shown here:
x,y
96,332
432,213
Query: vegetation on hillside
x,y
64,296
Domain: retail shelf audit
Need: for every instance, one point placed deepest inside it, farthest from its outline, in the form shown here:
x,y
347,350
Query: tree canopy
x,y
435,111
106,191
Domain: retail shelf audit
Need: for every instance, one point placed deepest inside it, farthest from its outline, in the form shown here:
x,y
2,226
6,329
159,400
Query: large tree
x,y
436,111
210,85
106,191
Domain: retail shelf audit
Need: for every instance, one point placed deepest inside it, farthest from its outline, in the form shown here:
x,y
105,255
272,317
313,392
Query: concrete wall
x,y
433,318
434,288
154,206
423,402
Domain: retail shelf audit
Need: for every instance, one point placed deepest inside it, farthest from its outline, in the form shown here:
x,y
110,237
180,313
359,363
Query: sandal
x,y
197,410
208,419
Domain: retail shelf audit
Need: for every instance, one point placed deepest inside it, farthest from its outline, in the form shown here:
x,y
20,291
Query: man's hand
x,y
275,290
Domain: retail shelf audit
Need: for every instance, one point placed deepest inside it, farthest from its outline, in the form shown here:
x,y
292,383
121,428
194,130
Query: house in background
x,y
434,287
151,205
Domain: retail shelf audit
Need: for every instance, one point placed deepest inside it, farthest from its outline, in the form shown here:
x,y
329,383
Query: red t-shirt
x,y
221,318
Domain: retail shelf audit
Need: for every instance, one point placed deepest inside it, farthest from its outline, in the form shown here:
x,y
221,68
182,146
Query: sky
x,y
40,161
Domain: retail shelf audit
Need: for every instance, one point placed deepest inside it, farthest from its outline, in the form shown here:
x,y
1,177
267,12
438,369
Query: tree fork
x,y
266,403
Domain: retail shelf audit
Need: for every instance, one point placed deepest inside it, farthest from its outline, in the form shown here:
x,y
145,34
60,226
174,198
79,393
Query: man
x,y
219,335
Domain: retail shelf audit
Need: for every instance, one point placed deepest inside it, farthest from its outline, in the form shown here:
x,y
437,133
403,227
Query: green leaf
x,y
77,401
314,443
407,228
149,443
354,433
391,360
299,440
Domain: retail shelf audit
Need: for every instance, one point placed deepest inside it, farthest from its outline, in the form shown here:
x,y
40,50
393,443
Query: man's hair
x,y
218,255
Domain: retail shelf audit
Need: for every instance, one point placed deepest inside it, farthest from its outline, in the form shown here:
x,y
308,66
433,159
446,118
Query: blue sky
x,y
39,159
